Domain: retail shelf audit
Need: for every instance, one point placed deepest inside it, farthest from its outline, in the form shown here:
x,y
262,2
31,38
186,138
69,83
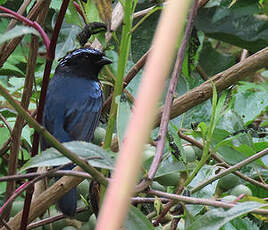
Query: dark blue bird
x,y
73,105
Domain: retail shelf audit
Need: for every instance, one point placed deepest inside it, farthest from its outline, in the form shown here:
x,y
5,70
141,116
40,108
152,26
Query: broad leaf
x,y
16,32
137,220
97,157
217,217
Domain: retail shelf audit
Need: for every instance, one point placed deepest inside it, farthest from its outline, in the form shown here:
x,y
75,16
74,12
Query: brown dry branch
x,y
221,80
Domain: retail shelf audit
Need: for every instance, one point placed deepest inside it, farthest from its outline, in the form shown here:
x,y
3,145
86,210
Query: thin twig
x,y
138,200
26,185
6,123
193,200
170,95
28,22
52,219
35,174
231,169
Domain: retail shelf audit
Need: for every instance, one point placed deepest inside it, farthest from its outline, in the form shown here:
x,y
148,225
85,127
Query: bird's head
x,y
83,62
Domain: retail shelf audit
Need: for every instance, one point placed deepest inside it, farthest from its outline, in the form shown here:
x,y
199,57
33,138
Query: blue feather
x,y
73,105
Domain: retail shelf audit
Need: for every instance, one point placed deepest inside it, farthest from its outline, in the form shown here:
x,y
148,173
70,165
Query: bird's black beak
x,y
104,61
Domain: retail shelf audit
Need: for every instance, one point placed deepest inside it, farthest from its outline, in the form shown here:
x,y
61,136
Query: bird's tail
x,y
68,203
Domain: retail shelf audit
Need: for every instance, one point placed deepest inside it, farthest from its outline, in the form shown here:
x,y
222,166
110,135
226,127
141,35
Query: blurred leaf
x,y
265,7
250,105
247,151
217,217
105,11
213,61
191,58
240,223
238,25
72,16
123,114
51,157
245,85
27,133
230,155
169,165
204,128
233,123
9,69
67,43
208,191
4,134
55,4
6,112
157,205
259,146
2,2
92,12
3,187
137,220
16,32
143,35
205,173
17,83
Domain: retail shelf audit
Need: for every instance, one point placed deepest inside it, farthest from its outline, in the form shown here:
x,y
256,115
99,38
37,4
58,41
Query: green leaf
x,y
97,156
208,191
123,114
137,220
213,61
238,25
217,217
220,107
205,173
2,2
16,32
142,36
247,151
17,83
10,69
169,165
72,16
250,105
204,128
92,12
253,86
55,4
240,223
3,187
4,134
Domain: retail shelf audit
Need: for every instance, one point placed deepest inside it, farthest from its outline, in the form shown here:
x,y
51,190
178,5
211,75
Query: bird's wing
x,y
82,118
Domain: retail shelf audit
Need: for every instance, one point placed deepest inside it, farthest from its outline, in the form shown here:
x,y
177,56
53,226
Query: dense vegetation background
x,y
213,126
